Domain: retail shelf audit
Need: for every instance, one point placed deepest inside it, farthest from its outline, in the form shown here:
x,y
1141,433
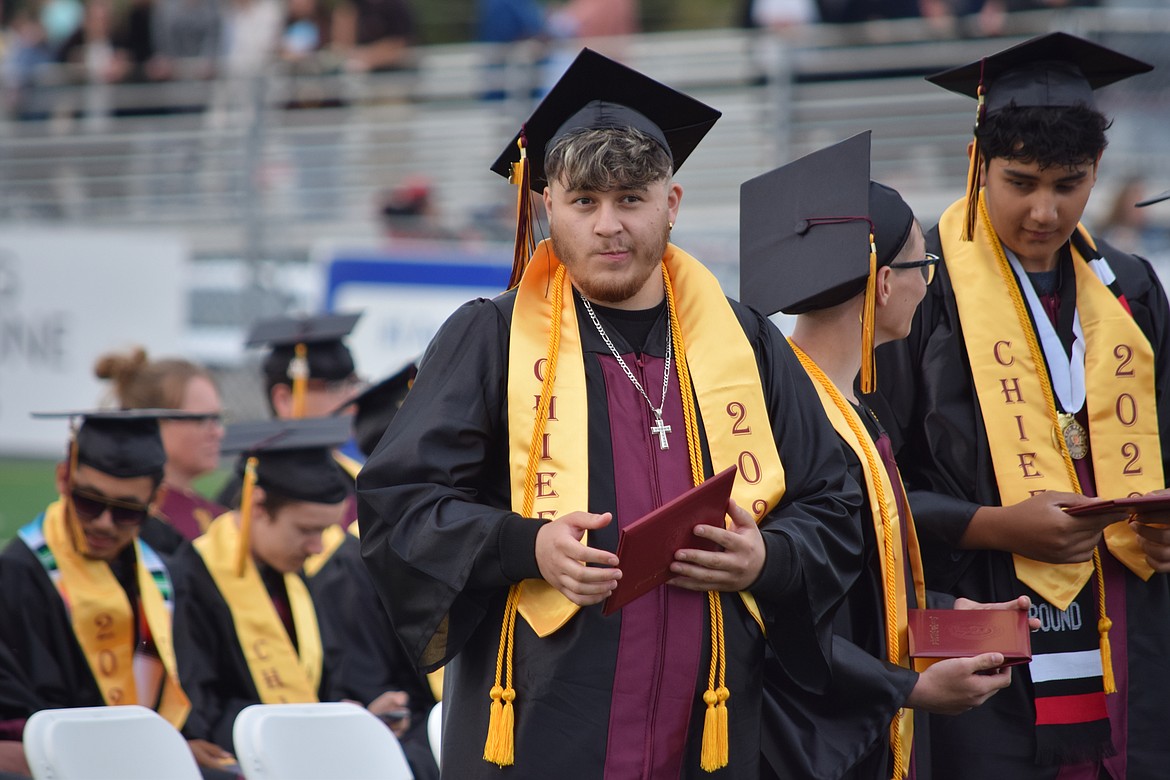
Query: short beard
x,y
612,291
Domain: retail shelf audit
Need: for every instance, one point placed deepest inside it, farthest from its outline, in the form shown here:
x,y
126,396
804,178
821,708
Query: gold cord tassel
x,y
974,166
715,752
1103,626
868,324
298,370
525,243
243,551
74,523
500,747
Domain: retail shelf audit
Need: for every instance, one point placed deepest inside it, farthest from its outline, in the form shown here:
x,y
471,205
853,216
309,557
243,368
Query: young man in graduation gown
x,y
1035,376
86,605
613,378
845,254
246,629
375,664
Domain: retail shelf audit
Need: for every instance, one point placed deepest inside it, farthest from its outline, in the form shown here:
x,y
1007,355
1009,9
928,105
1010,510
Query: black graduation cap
x,y
123,443
597,92
319,337
376,406
805,235
1057,69
1156,199
293,457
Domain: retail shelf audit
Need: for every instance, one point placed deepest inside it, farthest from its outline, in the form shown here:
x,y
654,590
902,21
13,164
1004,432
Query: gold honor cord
x,y
887,526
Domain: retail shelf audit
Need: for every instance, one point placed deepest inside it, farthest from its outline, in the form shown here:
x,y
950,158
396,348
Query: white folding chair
x,y
435,732
106,743
338,740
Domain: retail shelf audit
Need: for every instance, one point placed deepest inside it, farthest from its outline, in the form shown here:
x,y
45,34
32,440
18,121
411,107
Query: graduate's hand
x,y
1155,543
735,568
209,754
955,685
1038,528
393,707
562,558
1022,603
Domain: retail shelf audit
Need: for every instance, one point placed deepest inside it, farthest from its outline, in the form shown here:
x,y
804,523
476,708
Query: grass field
x,y
26,488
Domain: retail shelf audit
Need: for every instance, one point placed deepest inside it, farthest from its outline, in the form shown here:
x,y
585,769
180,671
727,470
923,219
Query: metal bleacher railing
x,y
246,174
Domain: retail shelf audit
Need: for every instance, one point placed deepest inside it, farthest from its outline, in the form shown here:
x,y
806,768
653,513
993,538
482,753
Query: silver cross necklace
x,y
659,428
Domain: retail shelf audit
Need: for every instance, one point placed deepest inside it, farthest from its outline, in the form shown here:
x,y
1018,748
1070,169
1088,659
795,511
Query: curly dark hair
x,y
605,159
1052,136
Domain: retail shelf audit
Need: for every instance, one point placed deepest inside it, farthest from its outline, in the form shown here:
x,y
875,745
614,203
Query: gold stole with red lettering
x,y
281,673
104,623
1028,451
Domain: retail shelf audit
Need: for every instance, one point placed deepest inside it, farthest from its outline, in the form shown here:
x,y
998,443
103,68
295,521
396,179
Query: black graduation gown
x,y
39,634
443,547
373,660
212,668
160,536
927,401
844,733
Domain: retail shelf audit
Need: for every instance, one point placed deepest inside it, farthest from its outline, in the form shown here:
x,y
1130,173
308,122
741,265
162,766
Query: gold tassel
x,y
974,165
525,243
298,371
868,323
73,521
716,741
1104,624
708,757
500,747
244,549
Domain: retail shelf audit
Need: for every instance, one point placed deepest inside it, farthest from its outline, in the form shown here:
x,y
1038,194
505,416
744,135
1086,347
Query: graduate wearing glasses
x,y
85,603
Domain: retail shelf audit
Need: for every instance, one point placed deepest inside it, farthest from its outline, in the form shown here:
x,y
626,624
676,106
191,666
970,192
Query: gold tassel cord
x,y
298,371
1104,624
244,549
974,164
500,748
715,752
868,323
525,241
72,520
889,567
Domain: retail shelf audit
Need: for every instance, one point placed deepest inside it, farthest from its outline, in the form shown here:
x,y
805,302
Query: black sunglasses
x,y
928,265
90,507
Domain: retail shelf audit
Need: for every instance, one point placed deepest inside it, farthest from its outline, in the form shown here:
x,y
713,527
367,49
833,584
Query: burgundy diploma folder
x,y
963,633
646,547
1123,506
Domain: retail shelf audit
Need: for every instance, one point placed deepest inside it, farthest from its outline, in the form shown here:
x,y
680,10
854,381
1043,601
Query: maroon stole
x,y
188,512
662,633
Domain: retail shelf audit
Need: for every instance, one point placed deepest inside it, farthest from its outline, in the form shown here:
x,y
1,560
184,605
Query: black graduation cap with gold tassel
x,y
596,92
305,348
814,232
290,458
1055,70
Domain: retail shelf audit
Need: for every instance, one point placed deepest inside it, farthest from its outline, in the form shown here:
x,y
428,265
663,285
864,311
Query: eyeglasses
x,y
928,265
90,507
201,421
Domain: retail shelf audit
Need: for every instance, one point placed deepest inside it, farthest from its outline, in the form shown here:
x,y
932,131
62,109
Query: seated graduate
x,y
845,254
308,372
246,628
85,604
376,670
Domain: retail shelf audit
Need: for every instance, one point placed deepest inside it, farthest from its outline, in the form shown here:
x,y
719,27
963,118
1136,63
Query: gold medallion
x,y
1076,438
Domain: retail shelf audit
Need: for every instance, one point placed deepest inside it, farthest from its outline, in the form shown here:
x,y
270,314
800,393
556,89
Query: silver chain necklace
x,y
660,428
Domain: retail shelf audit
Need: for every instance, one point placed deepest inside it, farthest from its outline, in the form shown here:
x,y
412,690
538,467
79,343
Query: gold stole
x,y
279,674
1011,379
883,507
726,382
103,621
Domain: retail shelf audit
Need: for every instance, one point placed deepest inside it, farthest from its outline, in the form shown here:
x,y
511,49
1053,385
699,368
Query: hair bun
x,y
120,367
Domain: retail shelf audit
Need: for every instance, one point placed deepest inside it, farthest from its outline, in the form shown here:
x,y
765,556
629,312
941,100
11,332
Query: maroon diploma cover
x,y
963,633
646,547
1123,507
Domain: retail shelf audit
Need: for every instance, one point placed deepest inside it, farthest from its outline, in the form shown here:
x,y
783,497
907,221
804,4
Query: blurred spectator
x,y
60,19
592,18
186,38
1128,228
408,211
306,31
779,14
508,21
26,50
136,36
92,46
251,36
373,35
849,11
